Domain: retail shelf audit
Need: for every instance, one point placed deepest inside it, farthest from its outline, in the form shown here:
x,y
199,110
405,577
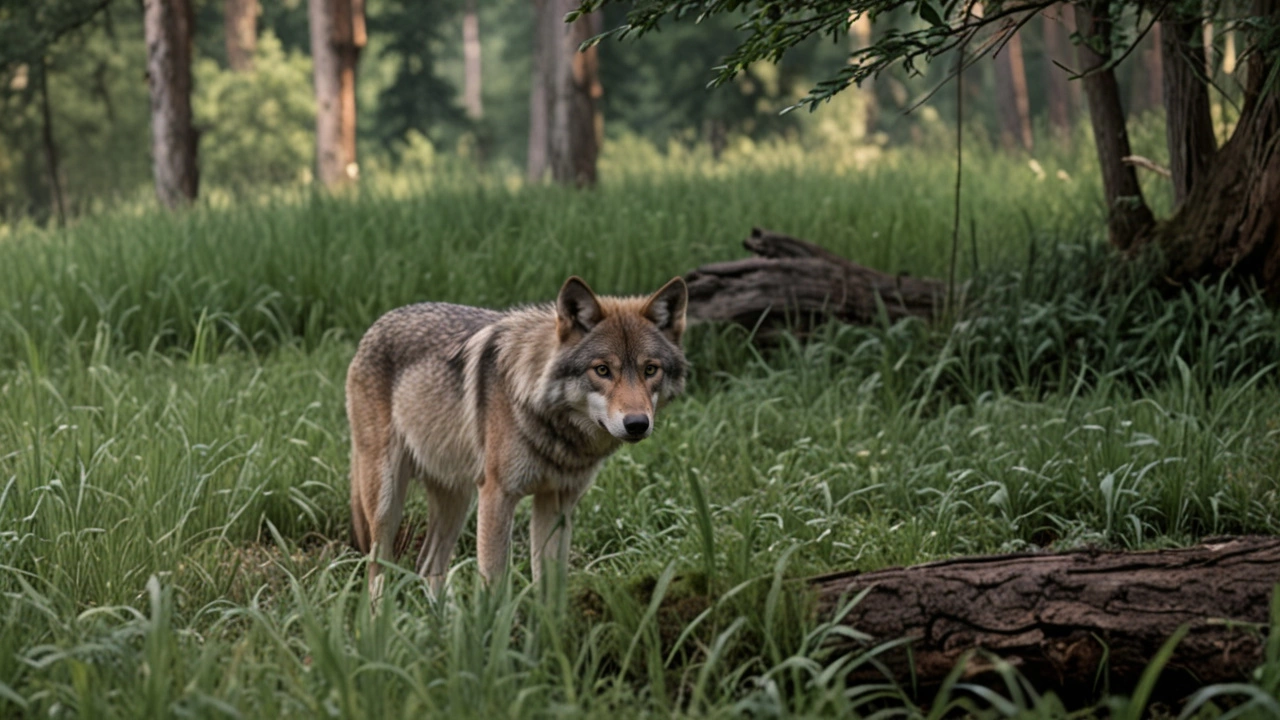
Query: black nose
x,y
636,424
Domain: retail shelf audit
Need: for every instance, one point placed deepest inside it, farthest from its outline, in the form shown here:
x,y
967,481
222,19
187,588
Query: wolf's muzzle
x,y
636,425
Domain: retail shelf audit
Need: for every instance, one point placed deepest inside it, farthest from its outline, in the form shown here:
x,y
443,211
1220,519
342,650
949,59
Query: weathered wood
x,y
796,284
1058,618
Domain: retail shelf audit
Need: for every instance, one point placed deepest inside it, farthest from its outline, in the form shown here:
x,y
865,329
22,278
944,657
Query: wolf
x,y
528,401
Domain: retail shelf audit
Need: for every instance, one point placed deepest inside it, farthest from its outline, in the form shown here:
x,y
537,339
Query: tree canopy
x,y
771,28
28,28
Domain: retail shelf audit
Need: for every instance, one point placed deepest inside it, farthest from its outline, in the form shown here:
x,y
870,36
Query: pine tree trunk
x,y
1127,213
337,36
471,77
575,126
1230,219
1057,48
240,26
539,90
1011,96
1189,125
167,25
50,146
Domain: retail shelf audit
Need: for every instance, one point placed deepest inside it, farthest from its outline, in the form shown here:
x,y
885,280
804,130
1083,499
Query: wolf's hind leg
x,y
363,472
395,471
448,506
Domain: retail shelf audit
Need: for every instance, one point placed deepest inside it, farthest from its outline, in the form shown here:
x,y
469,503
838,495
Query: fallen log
x,y
796,284
1059,618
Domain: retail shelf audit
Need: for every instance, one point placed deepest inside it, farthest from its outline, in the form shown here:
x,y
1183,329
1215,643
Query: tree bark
x,y
337,36
471,77
240,27
792,284
574,123
1127,213
1230,220
1011,96
1057,46
1058,618
1189,124
50,145
539,90
168,26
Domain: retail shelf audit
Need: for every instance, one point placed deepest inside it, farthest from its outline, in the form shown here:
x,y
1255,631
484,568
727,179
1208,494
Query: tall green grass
x,y
173,450
289,269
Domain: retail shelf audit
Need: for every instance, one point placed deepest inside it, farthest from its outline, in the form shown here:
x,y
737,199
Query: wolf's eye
x,y
602,370
650,370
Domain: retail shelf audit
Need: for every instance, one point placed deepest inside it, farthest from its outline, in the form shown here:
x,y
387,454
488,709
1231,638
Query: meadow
x,y
173,444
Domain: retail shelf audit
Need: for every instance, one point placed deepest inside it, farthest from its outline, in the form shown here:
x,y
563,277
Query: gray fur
x,y
459,396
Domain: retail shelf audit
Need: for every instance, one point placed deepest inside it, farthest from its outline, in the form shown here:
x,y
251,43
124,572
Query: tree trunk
x,y
860,35
1230,220
1127,213
1148,79
1207,35
539,89
792,284
168,28
1189,125
240,24
1057,45
1079,106
50,146
575,87
471,78
1059,618
1011,96
337,36
1229,53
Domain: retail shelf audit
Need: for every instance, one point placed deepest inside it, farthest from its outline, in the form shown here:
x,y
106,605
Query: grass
x,y
290,268
173,448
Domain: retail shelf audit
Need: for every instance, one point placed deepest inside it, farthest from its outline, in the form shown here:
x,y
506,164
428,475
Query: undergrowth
x,y
173,455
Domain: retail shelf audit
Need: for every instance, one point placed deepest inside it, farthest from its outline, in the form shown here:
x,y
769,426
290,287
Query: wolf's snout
x,y
636,425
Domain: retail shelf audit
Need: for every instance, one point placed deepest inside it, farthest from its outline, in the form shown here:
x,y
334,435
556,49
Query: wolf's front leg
x,y
550,528
448,506
496,509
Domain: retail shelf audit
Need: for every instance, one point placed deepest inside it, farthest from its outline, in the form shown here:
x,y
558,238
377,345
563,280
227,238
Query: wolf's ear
x,y
666,307
577,309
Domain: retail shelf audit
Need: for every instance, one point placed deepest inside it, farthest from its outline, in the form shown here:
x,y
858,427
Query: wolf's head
x,y
620,358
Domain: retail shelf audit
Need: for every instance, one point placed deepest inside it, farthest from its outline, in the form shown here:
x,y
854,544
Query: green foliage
x,y
100,119
27,29
659,88
173,451
921,32
417,99
257,127
263,272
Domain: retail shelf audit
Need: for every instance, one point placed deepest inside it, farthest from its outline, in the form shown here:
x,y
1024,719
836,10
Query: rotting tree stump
x,y
796,284
1059,618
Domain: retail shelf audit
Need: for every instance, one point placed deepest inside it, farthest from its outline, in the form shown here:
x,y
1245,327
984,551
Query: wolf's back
x,y
418,333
